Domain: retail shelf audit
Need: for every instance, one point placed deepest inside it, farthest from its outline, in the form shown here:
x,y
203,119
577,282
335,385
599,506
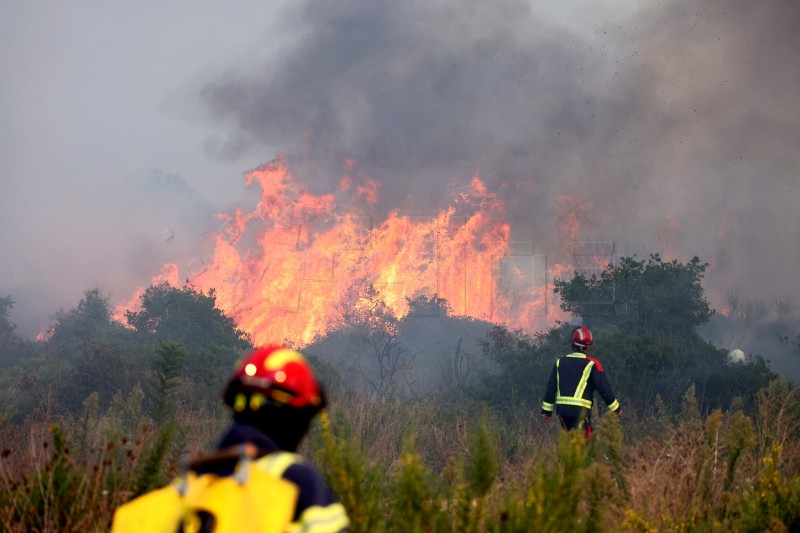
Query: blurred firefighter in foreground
x,y
573,380
254,481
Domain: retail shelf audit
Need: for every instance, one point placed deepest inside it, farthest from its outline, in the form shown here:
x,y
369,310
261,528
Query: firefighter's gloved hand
x,y
546,416
619,413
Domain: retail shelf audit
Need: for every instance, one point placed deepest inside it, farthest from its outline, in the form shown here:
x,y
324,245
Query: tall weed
x,y
415,466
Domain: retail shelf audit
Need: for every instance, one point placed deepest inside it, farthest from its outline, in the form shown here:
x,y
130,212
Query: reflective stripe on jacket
x,y
315,513
317,509
572,383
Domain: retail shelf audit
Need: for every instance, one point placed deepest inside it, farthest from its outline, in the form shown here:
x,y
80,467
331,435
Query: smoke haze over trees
x,y
671,127
646,338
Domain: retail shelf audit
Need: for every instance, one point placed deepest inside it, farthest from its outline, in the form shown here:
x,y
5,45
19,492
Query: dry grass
x,y
678,471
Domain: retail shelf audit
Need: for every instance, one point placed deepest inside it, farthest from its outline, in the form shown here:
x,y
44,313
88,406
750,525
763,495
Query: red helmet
x,y
581,337
274,375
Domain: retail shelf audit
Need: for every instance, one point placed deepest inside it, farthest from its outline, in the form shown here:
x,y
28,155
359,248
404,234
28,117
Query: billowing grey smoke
x,y
677,127
423,95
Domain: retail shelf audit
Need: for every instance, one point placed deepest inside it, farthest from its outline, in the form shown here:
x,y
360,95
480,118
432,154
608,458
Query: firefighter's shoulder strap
x,y
254,498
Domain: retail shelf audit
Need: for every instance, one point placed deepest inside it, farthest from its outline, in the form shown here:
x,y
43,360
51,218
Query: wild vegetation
x,y
99,412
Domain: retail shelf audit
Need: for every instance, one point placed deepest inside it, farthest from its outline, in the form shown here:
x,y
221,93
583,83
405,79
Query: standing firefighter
x,y
570,389
254,481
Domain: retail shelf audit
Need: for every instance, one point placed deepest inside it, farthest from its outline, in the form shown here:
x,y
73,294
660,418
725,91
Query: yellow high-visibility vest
x,y
577,398
254,499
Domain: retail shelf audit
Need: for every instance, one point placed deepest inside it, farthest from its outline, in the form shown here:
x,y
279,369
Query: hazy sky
x,y
674,125
94,95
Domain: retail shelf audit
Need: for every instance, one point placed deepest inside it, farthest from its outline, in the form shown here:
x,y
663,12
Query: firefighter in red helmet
x,y
254,481
571,386
274,395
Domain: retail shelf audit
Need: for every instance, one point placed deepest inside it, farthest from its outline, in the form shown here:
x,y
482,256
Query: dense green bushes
x,y
87,351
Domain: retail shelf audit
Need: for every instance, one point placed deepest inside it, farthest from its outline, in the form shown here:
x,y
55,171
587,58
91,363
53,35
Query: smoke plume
x,y
675,128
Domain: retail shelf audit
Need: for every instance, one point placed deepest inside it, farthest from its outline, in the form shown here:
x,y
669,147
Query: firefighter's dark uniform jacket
x,y
317,510
572,383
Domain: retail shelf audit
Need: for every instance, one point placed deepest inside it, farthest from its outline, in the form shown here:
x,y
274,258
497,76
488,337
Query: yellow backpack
x,y
254,499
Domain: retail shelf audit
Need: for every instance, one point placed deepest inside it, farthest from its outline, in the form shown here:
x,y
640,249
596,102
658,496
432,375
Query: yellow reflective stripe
x,y
277,463
577,399
329,519
315,519
614,405
547,406
566,400
584,380
558,380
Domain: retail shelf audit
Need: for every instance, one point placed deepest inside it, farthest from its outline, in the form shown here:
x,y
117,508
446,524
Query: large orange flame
x,y
283,269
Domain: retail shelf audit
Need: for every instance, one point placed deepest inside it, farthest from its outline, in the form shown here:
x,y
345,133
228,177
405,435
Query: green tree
x,y
88,351
12,347
652,295
428,306
167,366
210,339
643,316
188,317
643,366
90,319
13,352
7,333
